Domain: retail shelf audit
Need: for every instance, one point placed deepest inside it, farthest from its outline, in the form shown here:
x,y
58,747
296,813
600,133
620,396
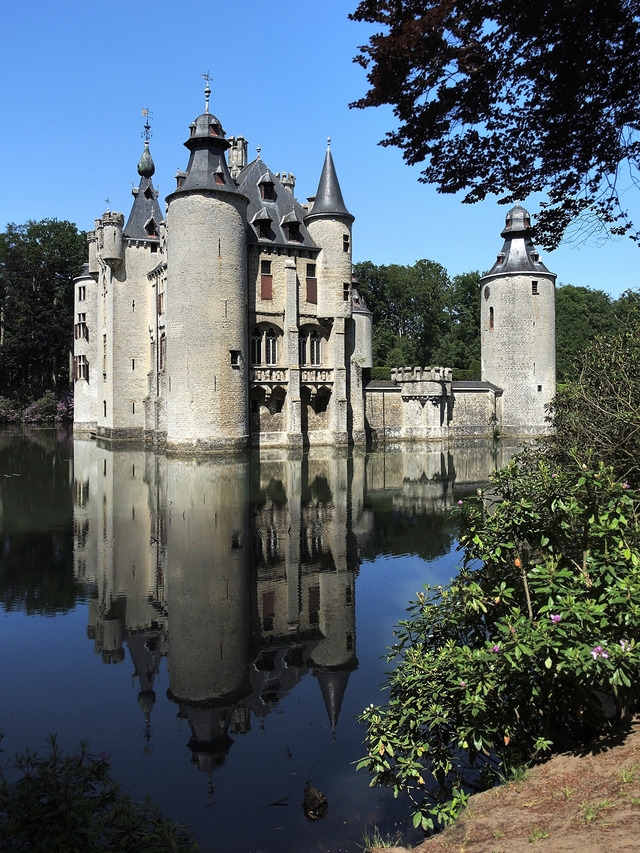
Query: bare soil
x,y
586,803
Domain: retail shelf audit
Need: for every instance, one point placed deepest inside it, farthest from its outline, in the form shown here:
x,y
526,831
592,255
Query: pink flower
x,y
460,503
599,652
463,684
626,485
555,618
495,649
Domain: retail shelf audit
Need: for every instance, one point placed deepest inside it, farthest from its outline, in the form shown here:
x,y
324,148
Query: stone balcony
x,y
316,375
269,375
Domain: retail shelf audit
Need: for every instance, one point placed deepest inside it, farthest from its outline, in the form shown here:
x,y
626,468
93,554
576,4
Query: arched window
x,y
271,348
256,347
302,348
315,347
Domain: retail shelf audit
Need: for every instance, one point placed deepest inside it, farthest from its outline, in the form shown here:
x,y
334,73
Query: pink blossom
x,y
626,485
599,652
495,649
555,618
460,503
463,684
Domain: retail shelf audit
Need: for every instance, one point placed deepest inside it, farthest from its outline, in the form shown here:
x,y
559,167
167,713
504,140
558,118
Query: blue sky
x,y
77,74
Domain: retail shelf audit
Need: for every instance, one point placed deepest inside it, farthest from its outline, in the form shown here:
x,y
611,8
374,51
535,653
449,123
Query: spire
x,y
146,166
518,252
207,92
333,685
328,199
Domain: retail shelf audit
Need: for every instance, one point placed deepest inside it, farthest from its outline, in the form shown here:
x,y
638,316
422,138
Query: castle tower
x,y
206,332
518,329
329,225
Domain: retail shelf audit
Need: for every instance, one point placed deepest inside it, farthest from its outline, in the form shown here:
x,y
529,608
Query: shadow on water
x,y
229,586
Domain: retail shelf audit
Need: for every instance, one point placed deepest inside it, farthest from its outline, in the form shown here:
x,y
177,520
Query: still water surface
x,y
216,625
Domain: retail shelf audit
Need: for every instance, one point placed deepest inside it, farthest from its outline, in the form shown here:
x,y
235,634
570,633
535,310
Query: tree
x,y
507,99
38,261
598,416
581,315
460,344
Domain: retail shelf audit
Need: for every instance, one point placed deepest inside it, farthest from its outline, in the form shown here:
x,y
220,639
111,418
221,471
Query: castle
x,y
232,321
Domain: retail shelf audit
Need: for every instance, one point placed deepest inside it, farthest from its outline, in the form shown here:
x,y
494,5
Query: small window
x,y
266,286
82,293
235,357
311,270
345,243
491,318
161,302
133,408
265,267
148,193
534,288
266,191
104,358
256,347
81,367
487,292
104,413
348,595
163,351
315,348
312,291
219,179
346,291
133,364
349,642
302,349
271,348
539,387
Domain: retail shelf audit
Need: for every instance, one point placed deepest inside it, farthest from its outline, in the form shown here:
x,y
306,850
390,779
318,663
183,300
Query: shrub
x,y
70,803
43,410
529,649
10,412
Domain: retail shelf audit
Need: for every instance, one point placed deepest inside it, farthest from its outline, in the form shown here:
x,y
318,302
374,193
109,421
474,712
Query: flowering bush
x,y
530,649
10,412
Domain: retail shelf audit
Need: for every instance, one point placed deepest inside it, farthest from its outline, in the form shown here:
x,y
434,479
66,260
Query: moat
x,y
216,624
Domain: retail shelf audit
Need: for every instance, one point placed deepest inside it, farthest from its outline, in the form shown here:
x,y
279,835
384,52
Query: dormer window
x,y
293,231
219,176
148,193
264,229
500,259
151,228
266,191
214,129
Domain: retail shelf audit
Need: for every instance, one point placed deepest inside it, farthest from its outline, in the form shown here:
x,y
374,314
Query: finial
x,y
107,201
258,149
328,142
146,133
207,91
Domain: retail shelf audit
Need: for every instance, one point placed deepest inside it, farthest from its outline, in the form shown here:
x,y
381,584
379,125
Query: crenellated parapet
x,y
423,383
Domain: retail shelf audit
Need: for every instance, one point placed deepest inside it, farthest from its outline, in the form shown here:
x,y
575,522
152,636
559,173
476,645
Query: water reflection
x,y
241,570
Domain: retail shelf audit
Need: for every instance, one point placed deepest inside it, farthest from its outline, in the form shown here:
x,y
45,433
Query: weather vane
x,y
207,90
146,133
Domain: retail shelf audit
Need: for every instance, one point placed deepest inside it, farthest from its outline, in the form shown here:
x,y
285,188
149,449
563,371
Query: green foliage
x,y
496,98
38,261
420,316
581,315
381,373
70,804
598,417
530,648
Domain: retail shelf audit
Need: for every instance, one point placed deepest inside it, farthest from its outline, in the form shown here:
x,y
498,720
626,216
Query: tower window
x,y
311,270
491,318
82,293
539,387
265,267
235,357
302,349
345,242
104,357
266,280
104,412
133,364
81,367
163,351
346,291
534,288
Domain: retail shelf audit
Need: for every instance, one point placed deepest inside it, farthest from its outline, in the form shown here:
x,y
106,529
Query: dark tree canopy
x,y
38,261
507,99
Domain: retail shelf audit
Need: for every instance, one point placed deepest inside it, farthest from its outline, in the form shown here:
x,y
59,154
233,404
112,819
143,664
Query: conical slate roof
x,y
518,253
328,200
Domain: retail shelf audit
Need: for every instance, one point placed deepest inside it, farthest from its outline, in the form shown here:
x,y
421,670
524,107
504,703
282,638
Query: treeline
x,y
38,261
422,316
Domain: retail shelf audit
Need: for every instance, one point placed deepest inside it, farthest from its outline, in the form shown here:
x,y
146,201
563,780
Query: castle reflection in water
x,y
241,570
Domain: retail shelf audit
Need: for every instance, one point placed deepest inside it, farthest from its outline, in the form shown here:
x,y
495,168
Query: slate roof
x,y
284,208
144,209
328,200
518,252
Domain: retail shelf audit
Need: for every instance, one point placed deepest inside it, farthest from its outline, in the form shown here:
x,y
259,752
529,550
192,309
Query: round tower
x,y
329,225
518,329
206,334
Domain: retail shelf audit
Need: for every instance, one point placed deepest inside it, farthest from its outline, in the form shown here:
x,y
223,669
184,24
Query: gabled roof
x,y
282,210
145,216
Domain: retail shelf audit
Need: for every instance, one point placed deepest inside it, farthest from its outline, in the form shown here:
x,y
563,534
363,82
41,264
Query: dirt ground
x,y
587,803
